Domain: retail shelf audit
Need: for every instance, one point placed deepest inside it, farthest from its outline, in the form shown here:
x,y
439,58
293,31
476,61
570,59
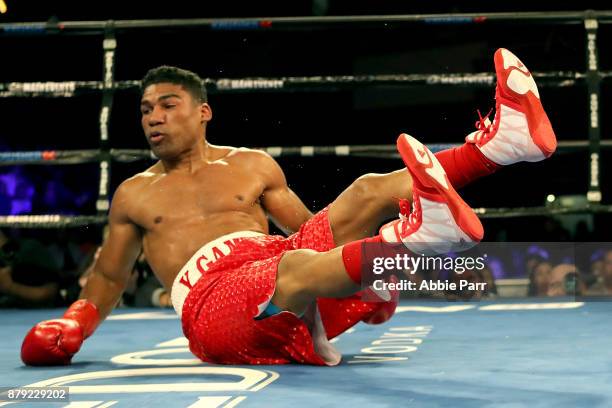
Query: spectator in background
x,y
596,266
603,284
18,190
565,281
143,289
29,274
56,196
539,272
72,283
486,275
72,249
22,201
589,262
473,280
32,275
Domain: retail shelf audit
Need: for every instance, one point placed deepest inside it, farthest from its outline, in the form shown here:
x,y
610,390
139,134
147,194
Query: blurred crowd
x,y
554,269
591,278
49,192
49,269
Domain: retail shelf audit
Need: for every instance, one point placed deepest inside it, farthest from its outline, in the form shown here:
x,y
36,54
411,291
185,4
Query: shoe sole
x,y
523,98
424,165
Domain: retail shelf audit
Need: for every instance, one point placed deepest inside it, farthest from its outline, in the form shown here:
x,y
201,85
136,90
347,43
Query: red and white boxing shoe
x,y
440,220
520,130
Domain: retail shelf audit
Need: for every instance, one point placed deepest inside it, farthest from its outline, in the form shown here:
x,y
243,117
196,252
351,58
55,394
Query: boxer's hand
x,y
52,342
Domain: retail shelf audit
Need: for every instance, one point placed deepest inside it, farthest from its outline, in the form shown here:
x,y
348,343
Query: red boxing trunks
x,y
230,281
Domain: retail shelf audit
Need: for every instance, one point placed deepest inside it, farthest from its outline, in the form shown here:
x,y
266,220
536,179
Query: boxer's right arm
x,y
116,260
54,342
282,205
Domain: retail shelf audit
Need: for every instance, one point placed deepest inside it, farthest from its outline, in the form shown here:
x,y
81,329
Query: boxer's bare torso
x,y
196,193
178,212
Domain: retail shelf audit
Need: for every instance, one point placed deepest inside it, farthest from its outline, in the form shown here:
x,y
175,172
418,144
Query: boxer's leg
x,y
304,275
371,199
520,131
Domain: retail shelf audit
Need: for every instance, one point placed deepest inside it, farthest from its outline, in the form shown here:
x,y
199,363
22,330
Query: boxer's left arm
x,y
283,206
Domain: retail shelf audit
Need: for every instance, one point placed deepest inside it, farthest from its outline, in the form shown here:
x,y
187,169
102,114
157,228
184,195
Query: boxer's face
x,y
172,120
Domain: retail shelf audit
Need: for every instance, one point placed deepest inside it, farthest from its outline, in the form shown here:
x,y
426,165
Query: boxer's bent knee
x,y
366,188
358,211
363,193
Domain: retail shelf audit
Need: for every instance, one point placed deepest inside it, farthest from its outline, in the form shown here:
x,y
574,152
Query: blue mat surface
x,y
502,354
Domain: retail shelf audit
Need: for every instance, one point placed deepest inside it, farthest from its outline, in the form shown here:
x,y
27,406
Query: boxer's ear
x,y
205,113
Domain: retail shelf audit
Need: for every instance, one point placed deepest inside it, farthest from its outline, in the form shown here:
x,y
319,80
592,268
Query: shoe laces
x,y
483,125
409,216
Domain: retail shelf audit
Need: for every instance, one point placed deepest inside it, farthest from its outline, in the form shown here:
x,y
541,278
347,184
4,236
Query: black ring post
x,y
108,93
593,80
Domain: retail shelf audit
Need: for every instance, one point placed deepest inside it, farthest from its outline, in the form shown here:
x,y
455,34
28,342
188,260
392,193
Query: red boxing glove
x,y
85,314
54,342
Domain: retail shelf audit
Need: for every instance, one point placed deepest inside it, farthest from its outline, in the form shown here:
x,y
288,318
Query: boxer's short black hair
x,y
190,81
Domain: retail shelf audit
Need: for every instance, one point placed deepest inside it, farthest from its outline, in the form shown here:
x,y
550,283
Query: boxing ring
x,y
503,353
429,355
